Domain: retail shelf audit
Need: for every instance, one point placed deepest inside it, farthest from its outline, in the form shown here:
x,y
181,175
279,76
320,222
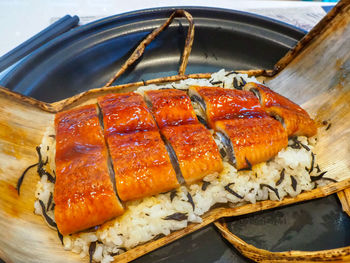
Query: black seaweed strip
x,y
228,189
249,168
176,217
312,162
328,127
281,177
216,82
117,253
249,164
329,179
318,170
235,84
47,218
190,200
52,136
144,82
296,143
60,236
230,73
53,206
47,148
205,185
305,146
243,82
49,202
317,177
172,195
92,249
272,189
294,182
20,180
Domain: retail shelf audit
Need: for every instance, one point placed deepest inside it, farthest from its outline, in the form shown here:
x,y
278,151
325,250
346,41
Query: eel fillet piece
x,y
219,103
196,151
254,140
295,119
140,159
84,195
254,135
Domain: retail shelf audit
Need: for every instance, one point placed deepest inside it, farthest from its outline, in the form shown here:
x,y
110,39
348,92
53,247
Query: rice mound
x,y
151,217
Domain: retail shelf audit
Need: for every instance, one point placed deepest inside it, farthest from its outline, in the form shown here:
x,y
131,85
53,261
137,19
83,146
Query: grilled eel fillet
x,y
194,146
140,145
295,119
251,133
141,163
84,194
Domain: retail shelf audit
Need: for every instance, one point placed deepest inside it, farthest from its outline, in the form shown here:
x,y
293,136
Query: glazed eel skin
x,y
129,146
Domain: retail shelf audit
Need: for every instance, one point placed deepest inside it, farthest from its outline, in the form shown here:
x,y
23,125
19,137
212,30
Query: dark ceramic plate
x,y
88,56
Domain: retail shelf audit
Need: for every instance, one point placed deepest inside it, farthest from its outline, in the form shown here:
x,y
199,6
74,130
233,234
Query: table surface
x,y
21,19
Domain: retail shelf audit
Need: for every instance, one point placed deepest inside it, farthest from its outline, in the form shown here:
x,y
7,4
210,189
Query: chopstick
x,y
60,26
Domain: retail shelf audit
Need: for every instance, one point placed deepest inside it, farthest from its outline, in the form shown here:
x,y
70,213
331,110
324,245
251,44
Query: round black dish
x,y
88,56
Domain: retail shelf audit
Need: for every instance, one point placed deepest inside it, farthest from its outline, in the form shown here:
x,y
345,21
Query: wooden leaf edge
x,y
261,255
222,212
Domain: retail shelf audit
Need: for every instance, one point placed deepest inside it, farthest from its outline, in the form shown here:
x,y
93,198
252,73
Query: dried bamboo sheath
x,y
314,73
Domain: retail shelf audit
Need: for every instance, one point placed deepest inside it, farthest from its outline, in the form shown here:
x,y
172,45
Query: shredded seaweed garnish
x,y
176,217
329,179
228,189
249,164
53,206
296,143
41,171
92,249
294,183
205,185
305,146
324,122
249,168
317,177
20,180
281,177
312,162
235,84
275,190
216,82
190,200
144,82
49,202
173,194
318,170
117,253
230,73
60,236
52,136
48,219
47,148
328,126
